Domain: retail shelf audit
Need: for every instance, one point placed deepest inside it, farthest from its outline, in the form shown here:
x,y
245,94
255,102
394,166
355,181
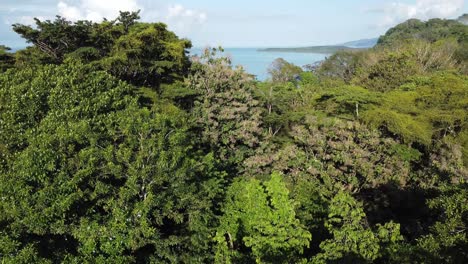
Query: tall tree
x,y
228,115
140,53
259,223
282,71
353,241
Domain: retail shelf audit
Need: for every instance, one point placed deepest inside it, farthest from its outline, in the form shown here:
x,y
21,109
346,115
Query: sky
x,y
241,23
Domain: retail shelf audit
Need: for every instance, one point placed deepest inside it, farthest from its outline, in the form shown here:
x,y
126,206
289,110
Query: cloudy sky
x,y
242,23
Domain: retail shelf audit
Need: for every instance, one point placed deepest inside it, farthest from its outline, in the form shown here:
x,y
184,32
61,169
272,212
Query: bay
x,y
257,62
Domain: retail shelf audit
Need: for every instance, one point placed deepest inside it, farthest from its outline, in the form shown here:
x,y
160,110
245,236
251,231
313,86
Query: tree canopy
x,y
116,146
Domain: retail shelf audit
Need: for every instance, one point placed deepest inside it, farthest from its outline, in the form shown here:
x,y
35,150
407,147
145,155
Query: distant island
x,y
313,49
361,44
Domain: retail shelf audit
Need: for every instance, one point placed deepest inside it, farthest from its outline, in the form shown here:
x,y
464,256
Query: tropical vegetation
x,y
116,146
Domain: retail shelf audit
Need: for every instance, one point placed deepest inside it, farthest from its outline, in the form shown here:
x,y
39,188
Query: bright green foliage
x,y
285,103
148,55
414,108
403,125
353,241
348,101
228,115
425,108
21,108
259,223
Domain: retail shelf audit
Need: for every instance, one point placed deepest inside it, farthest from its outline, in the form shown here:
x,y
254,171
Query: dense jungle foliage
x,y
117,147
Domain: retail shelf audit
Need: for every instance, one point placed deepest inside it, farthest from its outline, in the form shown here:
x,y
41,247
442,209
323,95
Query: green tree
x,y
347,101
91,176
259,223
56,38
7,59
342,65
337,154
388,73
140,53
431,30
226,112
448,238
353,240
148,55
281,102
282,71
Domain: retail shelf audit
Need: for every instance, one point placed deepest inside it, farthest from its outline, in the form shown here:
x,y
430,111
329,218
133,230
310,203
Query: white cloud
x,y
180,12
397,12
69,12
180,19
183,19
95,10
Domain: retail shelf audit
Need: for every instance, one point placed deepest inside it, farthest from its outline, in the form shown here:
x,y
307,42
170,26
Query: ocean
x,y
257,62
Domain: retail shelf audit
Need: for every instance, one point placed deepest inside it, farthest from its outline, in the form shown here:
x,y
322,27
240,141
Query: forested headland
x,y
116,146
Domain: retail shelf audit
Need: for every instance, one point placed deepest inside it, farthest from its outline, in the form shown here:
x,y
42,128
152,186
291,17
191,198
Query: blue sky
x,y
242,23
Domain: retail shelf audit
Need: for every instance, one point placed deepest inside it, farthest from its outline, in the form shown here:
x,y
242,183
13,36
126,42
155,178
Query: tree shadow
x,y
406,206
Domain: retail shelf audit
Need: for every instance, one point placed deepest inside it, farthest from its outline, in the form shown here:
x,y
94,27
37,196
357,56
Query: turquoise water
x,y
257,62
